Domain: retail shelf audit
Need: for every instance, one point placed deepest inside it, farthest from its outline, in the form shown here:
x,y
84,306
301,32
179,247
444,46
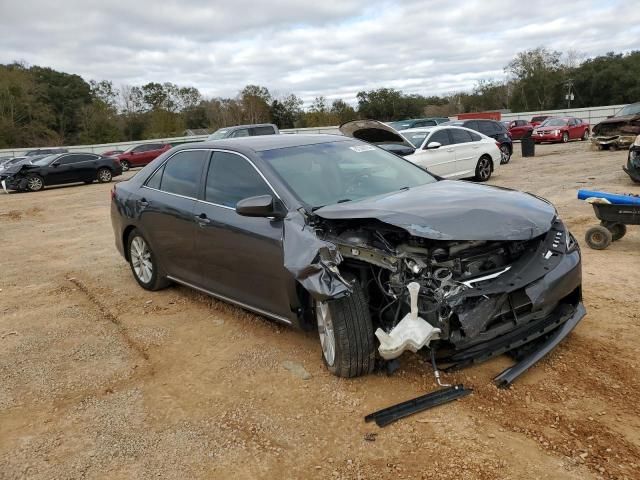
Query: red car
x,y
535,121
518,128
561,130
140,155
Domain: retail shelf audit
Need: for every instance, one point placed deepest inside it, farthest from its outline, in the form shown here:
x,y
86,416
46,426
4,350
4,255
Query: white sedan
x,y
447,151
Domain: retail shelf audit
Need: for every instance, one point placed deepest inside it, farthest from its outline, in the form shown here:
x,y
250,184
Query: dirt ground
x,y
101,379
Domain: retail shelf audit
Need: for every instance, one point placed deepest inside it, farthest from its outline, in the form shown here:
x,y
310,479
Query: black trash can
x,y
528,146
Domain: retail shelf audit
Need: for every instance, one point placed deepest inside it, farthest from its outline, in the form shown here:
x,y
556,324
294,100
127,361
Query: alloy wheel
x,y
325,330
34,184
141,259
125,166
484,168
104,175
505,156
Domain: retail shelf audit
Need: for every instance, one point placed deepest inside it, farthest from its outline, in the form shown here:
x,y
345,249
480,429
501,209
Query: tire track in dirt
x,y
107,315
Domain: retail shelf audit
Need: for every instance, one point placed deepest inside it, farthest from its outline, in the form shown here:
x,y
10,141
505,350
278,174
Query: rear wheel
x,y
35,183
505,154
565,137
346,334
104,175
125,165
484,168
144,265
585,135
598,237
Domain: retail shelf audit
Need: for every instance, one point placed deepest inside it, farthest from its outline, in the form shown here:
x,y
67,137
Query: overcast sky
x,y
333,48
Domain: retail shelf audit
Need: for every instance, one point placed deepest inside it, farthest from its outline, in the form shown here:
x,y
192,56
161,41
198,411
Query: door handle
x,y
450,150
202,219
143,202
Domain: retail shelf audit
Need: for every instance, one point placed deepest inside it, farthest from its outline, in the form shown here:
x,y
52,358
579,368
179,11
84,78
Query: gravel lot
x,y
101,379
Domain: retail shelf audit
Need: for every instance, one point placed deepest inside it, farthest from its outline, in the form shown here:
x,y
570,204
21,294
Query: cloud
x,y
333,48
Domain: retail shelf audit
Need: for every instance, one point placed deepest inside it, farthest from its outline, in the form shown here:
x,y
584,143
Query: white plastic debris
x,y
411,333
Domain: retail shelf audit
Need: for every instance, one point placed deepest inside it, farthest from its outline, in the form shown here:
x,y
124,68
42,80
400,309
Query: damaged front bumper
x,y
615,141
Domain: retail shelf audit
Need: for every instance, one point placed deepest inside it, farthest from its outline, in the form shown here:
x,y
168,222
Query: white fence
x,y
592,115
104,147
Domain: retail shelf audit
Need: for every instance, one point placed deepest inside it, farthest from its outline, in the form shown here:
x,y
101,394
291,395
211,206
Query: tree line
x,y
40,106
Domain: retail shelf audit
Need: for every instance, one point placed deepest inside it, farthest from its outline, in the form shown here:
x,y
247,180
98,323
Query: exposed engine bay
x,y
469,291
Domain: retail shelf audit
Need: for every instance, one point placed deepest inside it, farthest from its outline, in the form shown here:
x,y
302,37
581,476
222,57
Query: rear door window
x,y
182,173
266,130
232,178
486,127
460,136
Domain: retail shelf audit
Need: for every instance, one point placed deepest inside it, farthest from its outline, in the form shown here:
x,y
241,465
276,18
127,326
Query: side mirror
x,y
260,206
433,145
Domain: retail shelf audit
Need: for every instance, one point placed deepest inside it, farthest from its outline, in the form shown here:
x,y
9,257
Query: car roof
x,y
233,127
438,127
269,142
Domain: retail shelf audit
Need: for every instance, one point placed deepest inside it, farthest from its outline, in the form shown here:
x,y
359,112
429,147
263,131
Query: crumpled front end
x,y
480,298
616,133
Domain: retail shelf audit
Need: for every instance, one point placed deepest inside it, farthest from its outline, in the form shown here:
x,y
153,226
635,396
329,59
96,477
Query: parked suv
x,y
493,129
244,131
141,155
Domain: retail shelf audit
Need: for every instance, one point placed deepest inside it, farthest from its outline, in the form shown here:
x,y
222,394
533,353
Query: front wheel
x,y
565,137
104,175
125,165
35,183
346,334
505,154
484,169
144,264
585,135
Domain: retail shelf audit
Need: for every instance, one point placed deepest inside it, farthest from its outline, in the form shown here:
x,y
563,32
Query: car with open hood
x,y
447,151
620,130
329,233
35,173
561,129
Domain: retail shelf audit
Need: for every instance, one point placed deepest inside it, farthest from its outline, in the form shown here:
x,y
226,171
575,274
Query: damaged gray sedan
x,y
330,233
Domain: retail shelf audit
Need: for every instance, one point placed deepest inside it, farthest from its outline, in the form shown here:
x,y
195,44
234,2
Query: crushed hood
x,y
16,167
625,125
373,131
454,210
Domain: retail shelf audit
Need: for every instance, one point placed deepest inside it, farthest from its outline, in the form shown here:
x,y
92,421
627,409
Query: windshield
x,y
45,160
416,138
335,172
218,134
633,109
554,122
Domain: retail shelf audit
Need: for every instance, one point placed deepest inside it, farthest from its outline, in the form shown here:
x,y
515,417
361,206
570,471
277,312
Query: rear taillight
x,y
498,144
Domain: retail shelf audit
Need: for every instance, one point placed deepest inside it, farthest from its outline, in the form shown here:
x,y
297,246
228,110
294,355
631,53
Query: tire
x,y
143,263
104,175
505,154
346,335
598,237
35,183
126,166
618,230
585,136
484,168
565,137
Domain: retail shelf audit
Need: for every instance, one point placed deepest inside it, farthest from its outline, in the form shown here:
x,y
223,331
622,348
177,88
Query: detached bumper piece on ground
x,y
390,414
